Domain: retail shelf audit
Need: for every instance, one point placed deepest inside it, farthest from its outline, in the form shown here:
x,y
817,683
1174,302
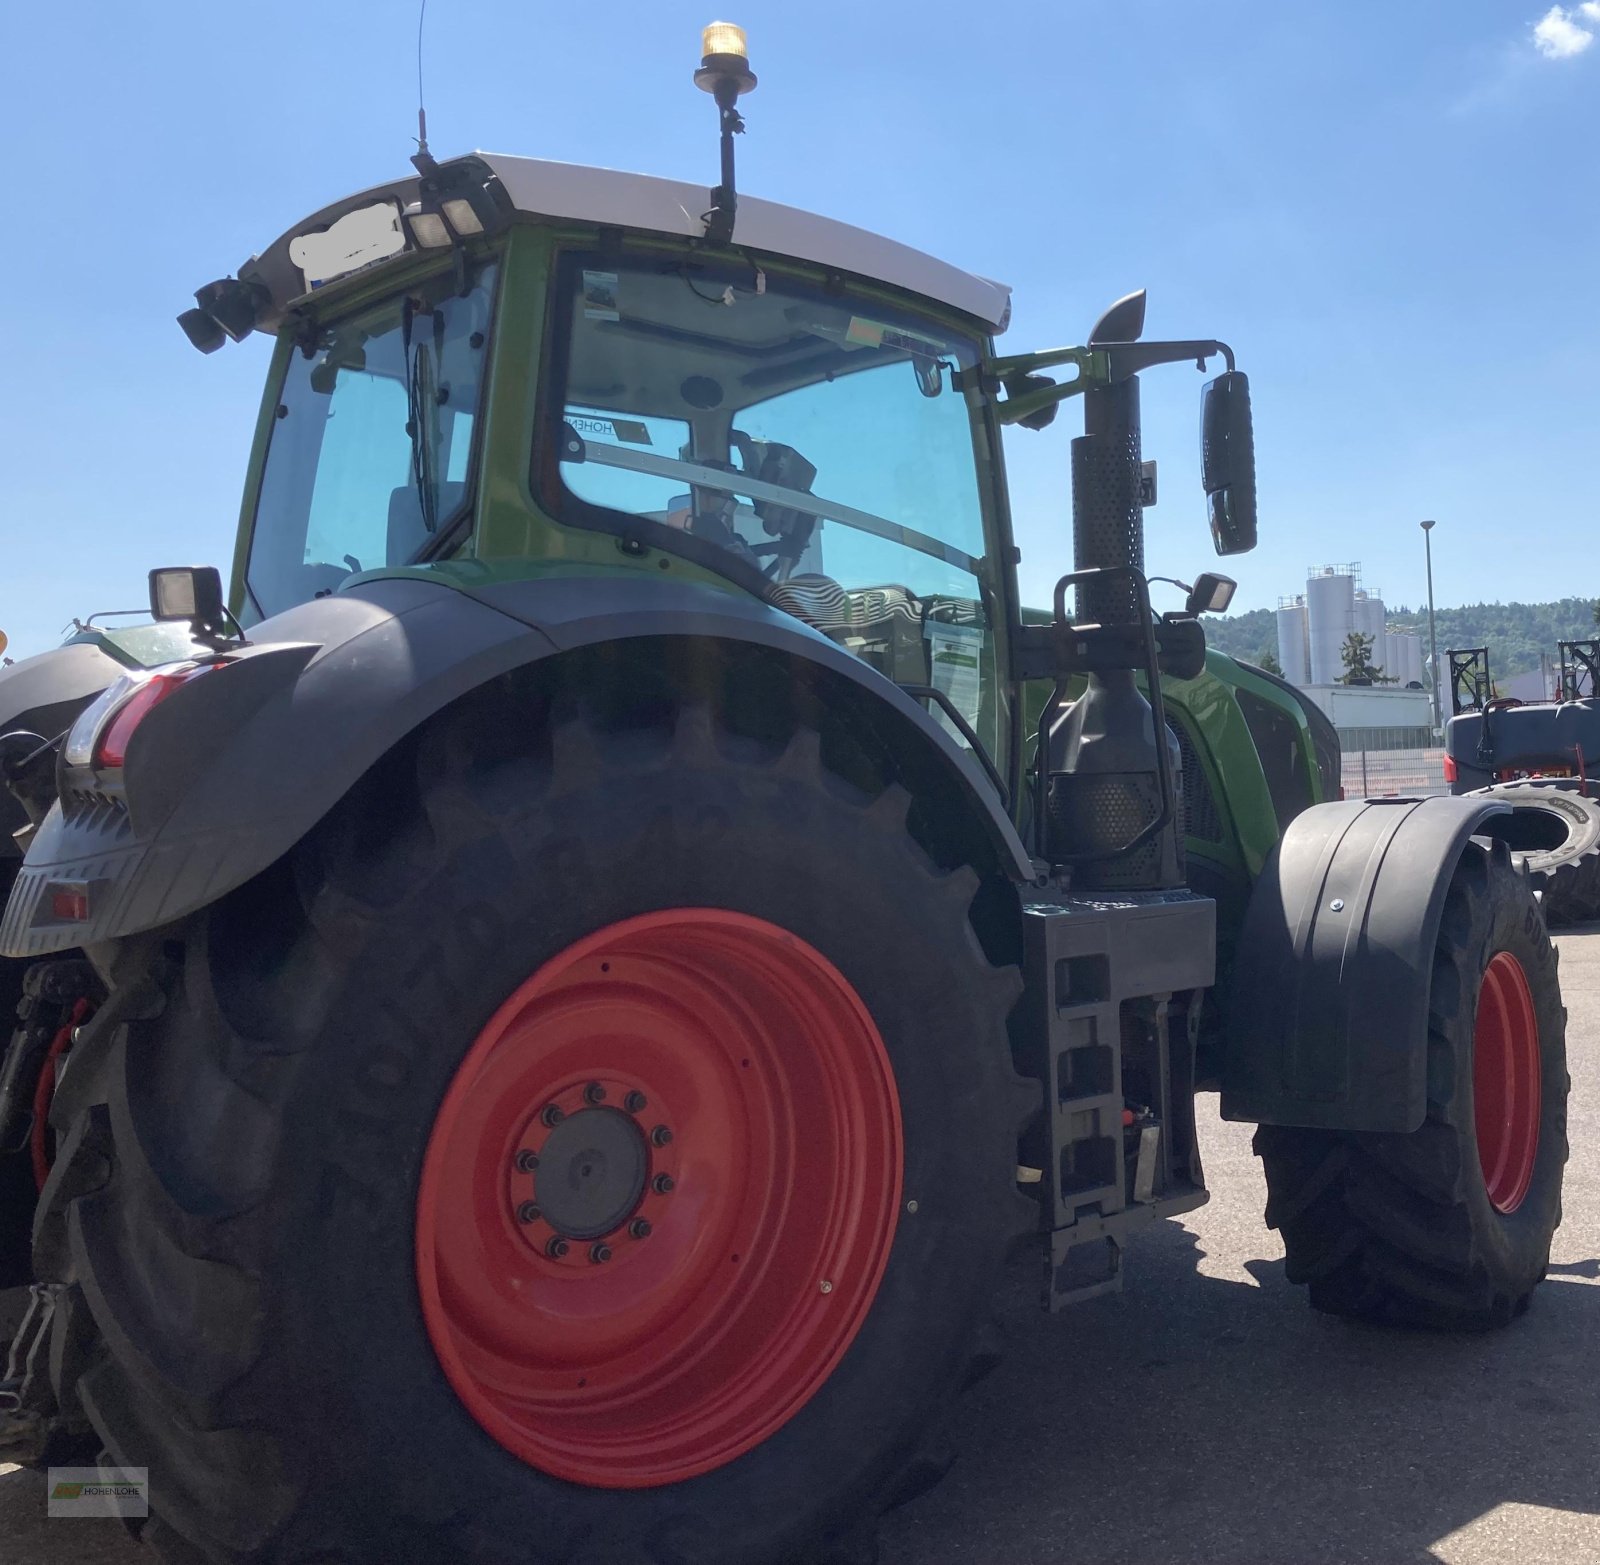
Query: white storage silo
x,y
1293,658
1413,653
1389,655
1370,616
1330,617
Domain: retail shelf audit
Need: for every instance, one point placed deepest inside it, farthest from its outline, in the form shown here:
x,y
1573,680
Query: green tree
x,y
1359,669
1269,661
1597,614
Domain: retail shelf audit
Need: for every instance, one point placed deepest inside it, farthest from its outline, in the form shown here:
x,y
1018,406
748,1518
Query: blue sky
x,y
1388,207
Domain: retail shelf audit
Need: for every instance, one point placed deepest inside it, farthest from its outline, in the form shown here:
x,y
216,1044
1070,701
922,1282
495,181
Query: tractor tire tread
x,y
174,1241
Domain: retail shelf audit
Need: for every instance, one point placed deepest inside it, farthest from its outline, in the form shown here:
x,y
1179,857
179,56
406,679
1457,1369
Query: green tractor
x,y
545,1017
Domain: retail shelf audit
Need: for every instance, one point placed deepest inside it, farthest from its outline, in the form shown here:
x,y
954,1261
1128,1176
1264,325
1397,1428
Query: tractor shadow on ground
x,y
1202,1418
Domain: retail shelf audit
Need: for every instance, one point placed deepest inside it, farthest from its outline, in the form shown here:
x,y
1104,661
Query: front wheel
x,y
1450,1226
603,1152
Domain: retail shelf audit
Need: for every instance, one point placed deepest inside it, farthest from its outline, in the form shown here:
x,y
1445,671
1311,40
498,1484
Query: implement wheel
x,y
1554,834
1449,1226
592,1147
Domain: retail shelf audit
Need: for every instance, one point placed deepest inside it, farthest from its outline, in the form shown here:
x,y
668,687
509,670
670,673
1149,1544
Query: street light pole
x,y
1433,639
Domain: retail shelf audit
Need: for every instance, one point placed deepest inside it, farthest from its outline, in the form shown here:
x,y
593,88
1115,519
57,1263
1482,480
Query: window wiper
x,y
420,403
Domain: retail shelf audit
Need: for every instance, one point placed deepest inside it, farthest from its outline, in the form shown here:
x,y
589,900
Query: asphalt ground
x,y
1207,1415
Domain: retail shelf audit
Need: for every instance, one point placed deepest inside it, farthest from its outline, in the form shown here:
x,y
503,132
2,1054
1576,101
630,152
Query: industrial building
x,y
1313,627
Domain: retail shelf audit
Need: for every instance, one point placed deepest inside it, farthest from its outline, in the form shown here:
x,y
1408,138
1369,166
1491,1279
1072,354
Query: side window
x,y
370,455
366,456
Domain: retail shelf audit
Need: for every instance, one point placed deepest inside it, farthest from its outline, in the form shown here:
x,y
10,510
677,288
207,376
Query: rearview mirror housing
x,y
1228,462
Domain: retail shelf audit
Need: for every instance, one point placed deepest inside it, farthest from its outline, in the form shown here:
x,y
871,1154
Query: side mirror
x,y
1228,462
1211,594
189,592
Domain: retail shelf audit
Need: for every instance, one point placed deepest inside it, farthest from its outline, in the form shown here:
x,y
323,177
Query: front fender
x,y
227,774
1327,1009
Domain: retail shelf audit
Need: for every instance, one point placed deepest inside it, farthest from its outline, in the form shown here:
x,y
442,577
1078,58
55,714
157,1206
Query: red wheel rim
x,y
703,1097
1505,1081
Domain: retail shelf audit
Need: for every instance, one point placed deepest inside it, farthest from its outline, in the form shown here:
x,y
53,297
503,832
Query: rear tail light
x,y
69,901
101,734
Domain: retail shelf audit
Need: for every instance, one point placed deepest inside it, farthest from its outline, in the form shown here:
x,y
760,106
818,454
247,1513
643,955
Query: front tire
x,y
1450,1226
252,1265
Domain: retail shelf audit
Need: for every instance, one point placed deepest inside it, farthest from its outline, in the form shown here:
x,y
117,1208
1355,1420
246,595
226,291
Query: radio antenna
x,y
423,158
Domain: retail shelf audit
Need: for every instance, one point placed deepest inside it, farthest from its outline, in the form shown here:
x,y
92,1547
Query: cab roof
x,y
644,202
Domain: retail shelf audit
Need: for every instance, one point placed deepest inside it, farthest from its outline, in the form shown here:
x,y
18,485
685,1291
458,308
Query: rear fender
x,y
229,772
1327,1010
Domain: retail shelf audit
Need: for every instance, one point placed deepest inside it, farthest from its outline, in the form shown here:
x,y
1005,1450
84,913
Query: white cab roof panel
x,y
667,206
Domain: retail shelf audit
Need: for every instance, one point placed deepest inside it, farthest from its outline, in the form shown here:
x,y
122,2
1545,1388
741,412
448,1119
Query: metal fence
x,y
1378,774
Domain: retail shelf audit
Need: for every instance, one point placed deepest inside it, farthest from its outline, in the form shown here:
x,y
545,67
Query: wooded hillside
x,y
1515,633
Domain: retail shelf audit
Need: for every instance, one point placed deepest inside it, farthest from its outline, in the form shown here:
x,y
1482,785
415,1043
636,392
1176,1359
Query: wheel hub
x,y
659,1198
591,1173
1506,1084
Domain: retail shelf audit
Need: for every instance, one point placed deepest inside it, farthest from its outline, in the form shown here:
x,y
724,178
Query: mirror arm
x,y
1130,358
1031,399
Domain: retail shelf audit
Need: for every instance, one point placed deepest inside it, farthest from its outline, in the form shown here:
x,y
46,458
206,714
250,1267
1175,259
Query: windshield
x,y
813,446
369,462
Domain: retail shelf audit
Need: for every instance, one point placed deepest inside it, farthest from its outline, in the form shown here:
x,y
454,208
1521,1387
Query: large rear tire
x,y
1450,1226
332,1318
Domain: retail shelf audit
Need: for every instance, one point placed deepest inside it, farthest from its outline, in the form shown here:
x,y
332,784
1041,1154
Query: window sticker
x,y
600,296
617,431
862,333
955,654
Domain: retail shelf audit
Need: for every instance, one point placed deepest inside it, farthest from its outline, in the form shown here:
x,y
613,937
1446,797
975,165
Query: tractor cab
x,y
505,360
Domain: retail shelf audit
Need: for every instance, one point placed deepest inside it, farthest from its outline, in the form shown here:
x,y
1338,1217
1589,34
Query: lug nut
x,y
660,1136
556,1248
635,1102
599,1253
639,1228
594,1093
528,1212
662,1184
553,1115
527,1161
